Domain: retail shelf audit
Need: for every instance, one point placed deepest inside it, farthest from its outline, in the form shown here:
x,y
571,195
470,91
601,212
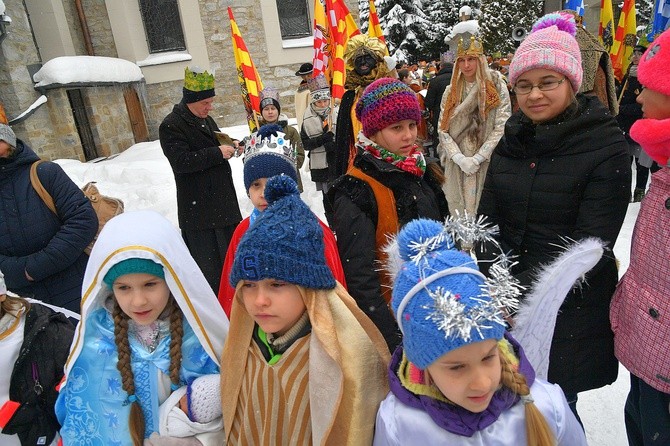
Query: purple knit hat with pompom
x,y
550,45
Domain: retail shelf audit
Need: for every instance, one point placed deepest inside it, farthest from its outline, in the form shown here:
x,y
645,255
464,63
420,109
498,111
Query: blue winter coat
x,y
49,248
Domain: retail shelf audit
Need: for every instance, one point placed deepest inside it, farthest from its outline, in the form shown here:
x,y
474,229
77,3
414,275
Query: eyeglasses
x,y
546,85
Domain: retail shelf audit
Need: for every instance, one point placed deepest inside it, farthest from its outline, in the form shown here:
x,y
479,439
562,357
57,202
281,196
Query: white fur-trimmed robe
x,y
462,191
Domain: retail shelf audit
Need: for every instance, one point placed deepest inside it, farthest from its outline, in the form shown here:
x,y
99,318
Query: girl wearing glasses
x,y
561,172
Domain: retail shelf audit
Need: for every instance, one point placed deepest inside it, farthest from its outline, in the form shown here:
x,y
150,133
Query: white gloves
x,y
468,164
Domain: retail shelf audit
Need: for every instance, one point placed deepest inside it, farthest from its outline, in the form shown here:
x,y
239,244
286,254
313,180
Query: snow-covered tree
x,y
404,23
501,17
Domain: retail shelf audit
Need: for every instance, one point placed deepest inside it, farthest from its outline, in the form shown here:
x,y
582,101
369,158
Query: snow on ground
x,y
141,176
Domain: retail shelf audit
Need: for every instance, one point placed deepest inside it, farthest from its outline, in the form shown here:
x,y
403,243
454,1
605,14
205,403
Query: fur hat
x,y
133,266
198,85
284,243
550,45
269,153
305,68
385,102
270,95
3,286
439,296
7,135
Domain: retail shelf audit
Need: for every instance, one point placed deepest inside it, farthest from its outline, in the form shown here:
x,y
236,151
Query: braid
x,y
538,432
176,335
136,417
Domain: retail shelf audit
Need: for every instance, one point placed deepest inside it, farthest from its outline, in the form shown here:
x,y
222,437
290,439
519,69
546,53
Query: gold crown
x,y
474,47
195,81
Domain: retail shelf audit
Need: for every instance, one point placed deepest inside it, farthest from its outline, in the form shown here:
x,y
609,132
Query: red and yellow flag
x,y
624,40
342,27
606,27
322,39
250,81
374,28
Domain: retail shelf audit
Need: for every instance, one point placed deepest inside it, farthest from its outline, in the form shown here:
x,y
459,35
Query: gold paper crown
x,y
474,48
195,81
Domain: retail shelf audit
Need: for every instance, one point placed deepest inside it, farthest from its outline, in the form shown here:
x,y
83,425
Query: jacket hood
x,y
148,235
451,417
570,133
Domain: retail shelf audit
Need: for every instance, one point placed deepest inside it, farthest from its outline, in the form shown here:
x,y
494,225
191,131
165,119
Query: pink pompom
x,y
563,21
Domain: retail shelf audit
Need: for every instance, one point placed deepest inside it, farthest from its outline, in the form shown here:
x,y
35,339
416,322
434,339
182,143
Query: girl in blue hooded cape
x,y
144,366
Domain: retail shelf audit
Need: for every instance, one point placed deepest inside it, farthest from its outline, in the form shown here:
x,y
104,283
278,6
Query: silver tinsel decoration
x,y
499,294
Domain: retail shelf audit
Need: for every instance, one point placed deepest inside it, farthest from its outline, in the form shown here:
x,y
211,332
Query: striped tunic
x,y
273,405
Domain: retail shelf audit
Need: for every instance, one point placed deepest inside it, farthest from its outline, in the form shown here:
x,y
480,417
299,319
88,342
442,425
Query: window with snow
x,y
293,19
162,25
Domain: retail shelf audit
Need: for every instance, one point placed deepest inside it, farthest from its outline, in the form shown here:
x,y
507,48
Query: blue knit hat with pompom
x,y
438,296
285,242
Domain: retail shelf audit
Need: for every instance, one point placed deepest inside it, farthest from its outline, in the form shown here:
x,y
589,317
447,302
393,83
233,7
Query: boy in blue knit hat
x,y
268,153
301,358
459,378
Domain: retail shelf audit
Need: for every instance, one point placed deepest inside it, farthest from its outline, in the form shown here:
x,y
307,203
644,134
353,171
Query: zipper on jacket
x,y
36,377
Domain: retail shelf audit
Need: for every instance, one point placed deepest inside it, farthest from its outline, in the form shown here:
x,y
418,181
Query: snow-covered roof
x,y
468,26
87,70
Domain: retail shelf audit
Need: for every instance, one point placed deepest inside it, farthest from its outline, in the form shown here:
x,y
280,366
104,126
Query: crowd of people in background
x,y
393,321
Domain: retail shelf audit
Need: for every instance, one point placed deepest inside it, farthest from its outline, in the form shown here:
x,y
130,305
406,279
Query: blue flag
x,y
661,16
578,5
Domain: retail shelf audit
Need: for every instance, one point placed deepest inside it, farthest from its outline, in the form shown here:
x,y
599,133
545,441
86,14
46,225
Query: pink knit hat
x,y
550,45
652,70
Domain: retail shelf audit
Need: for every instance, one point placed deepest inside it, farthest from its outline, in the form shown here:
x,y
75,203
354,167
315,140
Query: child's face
x,y
273,304
142,297
270,113
257,194
469,375
655,105
397,138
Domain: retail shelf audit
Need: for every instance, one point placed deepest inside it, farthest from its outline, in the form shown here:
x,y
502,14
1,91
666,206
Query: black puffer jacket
x,y
47,336
206,196
355,225
548,183
33,239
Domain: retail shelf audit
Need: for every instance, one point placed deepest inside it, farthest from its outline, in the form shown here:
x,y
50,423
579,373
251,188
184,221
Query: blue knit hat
x,y
439,296
285,242
133,266
269,153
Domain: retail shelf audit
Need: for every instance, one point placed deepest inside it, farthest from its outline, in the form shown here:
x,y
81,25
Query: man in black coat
x,y
433,100
198,153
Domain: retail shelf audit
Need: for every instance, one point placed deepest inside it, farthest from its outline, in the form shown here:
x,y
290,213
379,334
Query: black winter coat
x,y
206,197
565,180
629,110
47,336
33,239
344,133
436,87
355,225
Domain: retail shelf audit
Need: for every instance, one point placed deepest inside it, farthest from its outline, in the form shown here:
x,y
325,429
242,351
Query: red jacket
x,y
227,292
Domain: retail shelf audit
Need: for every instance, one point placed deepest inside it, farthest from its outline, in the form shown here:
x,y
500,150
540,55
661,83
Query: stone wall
x,y
17,52
108,116
98,24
